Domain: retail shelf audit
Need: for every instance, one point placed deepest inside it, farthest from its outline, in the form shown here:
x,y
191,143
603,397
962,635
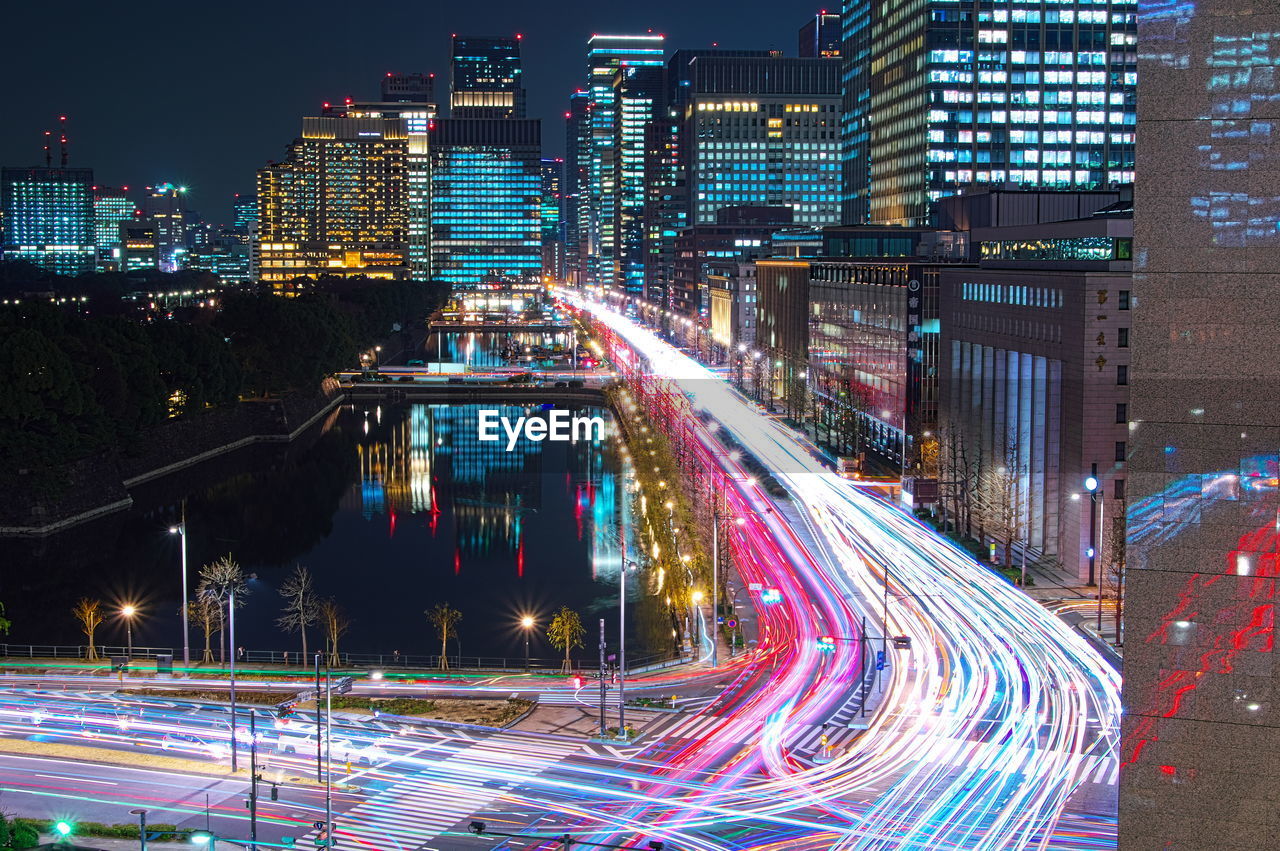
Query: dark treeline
x,y
82,378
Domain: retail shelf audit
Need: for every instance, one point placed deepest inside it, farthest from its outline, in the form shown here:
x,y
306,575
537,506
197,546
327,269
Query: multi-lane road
x,y
990,725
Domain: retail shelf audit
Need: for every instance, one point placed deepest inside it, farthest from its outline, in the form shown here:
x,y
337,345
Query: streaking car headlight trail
x,y
985,724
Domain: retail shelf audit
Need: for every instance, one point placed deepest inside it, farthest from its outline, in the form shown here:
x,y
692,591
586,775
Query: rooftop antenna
x,y
48,153
63,121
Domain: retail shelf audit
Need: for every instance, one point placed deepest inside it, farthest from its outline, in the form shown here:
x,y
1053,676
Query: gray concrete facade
x,y
1200,751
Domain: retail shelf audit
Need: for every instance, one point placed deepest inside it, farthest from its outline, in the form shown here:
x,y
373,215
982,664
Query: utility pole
x,y
602,682
715,583
231,617
862,665
253,778
319,764
328,756
622,639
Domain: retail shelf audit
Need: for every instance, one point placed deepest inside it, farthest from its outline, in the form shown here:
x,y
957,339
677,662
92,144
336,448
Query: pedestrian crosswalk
x,y
441,793
807,738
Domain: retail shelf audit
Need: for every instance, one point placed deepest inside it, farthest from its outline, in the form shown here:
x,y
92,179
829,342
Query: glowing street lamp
x,y
527,623
181,529
127,612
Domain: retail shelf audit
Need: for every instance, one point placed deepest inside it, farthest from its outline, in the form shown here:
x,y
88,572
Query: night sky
x,y
203,94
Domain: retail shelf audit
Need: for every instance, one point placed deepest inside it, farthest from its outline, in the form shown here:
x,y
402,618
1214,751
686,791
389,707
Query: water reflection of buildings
x,y
429,460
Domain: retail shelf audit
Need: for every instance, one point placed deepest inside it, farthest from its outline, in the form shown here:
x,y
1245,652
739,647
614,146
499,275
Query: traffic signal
x,y
284,712
827,644
63,829
771,595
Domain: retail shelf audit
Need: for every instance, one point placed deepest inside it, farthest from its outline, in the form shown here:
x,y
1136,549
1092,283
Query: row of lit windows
x,y
1015,294
1073,248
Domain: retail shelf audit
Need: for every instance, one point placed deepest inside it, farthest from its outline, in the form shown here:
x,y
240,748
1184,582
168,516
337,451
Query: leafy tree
x,y
565,633
445,618
89,613
336,623
301,607
5,623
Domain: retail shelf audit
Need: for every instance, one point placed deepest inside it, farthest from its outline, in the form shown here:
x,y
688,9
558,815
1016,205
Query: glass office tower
x,y
111,208
486,77
48,218
940,97
486,200
606,54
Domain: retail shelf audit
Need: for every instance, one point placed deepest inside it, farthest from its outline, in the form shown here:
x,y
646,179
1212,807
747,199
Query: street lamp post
x,y
181,530
142,828
128,612
715,586
1091,485
527,623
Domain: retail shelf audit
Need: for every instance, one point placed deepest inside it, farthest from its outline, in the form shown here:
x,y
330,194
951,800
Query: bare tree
x,y
445,618
335,623
998,500
89,613
205,611
301,607
565,633
1117,555
219,580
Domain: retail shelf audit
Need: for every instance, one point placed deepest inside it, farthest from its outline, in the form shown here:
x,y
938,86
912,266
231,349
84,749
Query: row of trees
x,y
77,384
565,631
222,580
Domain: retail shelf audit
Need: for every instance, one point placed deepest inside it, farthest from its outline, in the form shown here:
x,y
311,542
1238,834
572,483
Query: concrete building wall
x,y
1200,751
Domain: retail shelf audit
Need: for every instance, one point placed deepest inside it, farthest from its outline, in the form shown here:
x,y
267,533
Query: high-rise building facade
x,y
49,218
820,37
577,165
667,180
111,208
940,97
1201,710
338,203
486,200
638,95
552,212
487,80
409,88
244,211
163,206
606,56
763,132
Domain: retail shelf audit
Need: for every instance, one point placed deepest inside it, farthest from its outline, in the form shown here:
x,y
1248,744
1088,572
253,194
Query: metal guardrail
x,y
384,661
63,651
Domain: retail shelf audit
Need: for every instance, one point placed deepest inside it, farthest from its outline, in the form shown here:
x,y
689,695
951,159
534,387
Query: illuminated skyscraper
x,y
820,36
666,179
245,208
638,94
49,218
486,199
163,206
606,54
487,79
942,97
553,218
338,203
111,208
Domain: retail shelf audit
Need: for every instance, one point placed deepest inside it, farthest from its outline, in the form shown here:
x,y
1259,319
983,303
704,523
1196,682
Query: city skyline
x,y
173,134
